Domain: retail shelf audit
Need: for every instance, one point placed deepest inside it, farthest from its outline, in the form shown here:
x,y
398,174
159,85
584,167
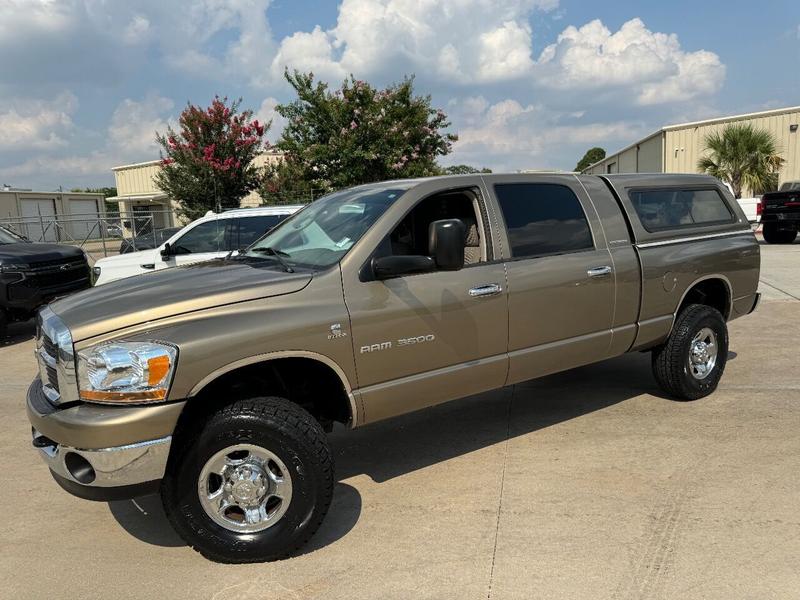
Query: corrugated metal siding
x,y
625,161
685,146
138,179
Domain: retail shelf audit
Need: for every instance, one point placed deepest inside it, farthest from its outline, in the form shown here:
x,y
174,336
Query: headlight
x,y
126,372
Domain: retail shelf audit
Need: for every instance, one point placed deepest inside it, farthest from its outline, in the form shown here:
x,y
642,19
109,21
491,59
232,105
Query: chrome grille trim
x,y
56,357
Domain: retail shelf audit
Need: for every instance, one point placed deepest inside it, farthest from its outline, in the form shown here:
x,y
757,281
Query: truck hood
x,y
171,292
28,252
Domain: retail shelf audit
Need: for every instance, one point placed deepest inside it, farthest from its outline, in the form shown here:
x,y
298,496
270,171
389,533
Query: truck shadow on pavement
x,y
411,442
18,333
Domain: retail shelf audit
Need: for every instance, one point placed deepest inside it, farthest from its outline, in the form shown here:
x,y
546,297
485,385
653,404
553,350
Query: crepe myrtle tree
x,y
354,134
208,163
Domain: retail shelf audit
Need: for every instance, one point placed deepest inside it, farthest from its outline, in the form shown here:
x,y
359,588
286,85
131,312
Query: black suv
x,y
33,274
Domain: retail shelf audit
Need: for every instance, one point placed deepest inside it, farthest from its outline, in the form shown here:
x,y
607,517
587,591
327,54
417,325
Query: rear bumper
x,y
103,452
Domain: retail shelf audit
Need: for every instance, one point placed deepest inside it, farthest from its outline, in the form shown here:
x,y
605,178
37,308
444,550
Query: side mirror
x,y
166,251
386,267
446,243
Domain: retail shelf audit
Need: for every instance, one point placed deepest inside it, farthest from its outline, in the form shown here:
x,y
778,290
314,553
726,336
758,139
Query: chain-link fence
x,y
98,235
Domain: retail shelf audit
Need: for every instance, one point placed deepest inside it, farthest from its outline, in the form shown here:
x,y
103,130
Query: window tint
x,y
206,237
252,228
675,208
543,218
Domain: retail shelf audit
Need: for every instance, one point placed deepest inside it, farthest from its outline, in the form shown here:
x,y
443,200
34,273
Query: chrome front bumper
x,y
118,466
103,452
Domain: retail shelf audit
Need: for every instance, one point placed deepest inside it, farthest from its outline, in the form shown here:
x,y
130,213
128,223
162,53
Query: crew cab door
x,y
421,339
560,275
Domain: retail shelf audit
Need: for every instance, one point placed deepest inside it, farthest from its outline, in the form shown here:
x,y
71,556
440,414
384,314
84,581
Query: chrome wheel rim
x,y
245,488
703,351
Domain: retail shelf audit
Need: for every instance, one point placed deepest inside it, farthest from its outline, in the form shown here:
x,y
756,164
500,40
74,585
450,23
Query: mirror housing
x,y
446,243
166,251
386,267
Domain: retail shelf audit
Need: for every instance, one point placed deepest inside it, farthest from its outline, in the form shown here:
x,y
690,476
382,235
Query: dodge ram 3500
x,y
214,384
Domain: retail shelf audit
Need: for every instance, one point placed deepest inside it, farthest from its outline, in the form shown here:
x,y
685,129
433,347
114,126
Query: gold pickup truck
x,y
214,384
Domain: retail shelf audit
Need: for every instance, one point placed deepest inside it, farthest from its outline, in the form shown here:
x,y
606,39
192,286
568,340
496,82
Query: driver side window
x,y
412,235
206,237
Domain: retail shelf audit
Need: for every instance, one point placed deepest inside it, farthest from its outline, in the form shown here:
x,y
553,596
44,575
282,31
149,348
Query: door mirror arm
x,y
387,267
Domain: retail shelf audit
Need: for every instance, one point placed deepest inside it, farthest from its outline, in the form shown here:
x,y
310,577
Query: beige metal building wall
x,y
677,148
644,156
684,143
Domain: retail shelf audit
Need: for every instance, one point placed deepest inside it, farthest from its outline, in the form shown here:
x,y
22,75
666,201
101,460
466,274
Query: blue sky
x,y
84,84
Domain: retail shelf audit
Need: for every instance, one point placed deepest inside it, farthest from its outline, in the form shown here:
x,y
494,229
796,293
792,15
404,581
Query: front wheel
x,y
251,483
691,362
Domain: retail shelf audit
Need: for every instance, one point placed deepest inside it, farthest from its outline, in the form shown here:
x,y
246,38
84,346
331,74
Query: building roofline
x,y
146,163
50,193
751,115
625,149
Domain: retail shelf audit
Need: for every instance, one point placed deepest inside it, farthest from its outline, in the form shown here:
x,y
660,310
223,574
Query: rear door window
x,y
675,208
542,219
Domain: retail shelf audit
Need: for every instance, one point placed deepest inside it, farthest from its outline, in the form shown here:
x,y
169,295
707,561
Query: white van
x,y
212,236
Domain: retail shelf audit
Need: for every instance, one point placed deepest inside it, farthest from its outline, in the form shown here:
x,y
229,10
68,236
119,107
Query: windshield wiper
x,y
277,254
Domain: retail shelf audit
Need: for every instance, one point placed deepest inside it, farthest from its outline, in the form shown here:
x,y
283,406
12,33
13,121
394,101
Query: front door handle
x,y
599,271
489,289
148,266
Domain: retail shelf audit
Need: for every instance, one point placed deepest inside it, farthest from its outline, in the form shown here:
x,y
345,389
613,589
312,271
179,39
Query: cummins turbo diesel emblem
x,y
409,341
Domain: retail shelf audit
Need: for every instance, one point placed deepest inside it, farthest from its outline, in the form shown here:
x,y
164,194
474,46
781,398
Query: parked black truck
x,y
33,274
780,214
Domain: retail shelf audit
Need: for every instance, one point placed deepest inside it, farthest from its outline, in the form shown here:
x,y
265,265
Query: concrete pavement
x,y
587,484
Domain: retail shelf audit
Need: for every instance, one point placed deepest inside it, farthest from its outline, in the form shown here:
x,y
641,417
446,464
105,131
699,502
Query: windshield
x,y
9,237
322,233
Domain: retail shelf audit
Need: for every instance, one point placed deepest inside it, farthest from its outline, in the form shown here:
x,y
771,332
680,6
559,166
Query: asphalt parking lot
x,y
587,484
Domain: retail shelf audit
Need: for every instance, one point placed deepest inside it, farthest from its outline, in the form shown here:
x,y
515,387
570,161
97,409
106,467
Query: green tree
x,y
744,156
592,156
352,135
208,163
463,170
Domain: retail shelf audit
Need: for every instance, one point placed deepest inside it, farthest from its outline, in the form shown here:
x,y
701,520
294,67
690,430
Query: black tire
x,y
3,324
277,425
671,361
773,235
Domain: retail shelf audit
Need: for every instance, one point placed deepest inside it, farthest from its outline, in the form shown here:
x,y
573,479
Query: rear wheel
x,y
773,235
3,324
253,484
690,364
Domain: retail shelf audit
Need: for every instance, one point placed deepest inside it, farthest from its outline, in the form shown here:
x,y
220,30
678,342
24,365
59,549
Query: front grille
x,y
51,278
55,354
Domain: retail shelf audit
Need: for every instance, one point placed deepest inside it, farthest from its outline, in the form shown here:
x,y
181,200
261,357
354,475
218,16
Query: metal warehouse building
x,y
137,191
51,216
677,148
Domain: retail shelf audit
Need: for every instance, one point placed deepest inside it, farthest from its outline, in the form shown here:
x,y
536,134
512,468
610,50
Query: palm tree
x,y
744,156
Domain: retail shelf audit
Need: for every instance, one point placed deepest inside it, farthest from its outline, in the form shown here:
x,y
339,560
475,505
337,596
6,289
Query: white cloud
x,y
36,124
508,135
461,41
266,113
130,137
651,66
134,124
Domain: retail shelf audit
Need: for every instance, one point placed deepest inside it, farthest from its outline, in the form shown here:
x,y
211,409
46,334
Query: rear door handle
x,y
599,271
489,289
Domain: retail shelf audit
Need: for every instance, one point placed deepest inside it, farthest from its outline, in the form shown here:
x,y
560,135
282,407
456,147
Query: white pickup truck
x,y
211,236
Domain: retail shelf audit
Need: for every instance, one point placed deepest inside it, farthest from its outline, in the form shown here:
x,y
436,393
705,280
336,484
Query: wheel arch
x,y
329,370
713,290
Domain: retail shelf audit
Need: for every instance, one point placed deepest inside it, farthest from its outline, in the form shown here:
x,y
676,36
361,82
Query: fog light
x,y
79,468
